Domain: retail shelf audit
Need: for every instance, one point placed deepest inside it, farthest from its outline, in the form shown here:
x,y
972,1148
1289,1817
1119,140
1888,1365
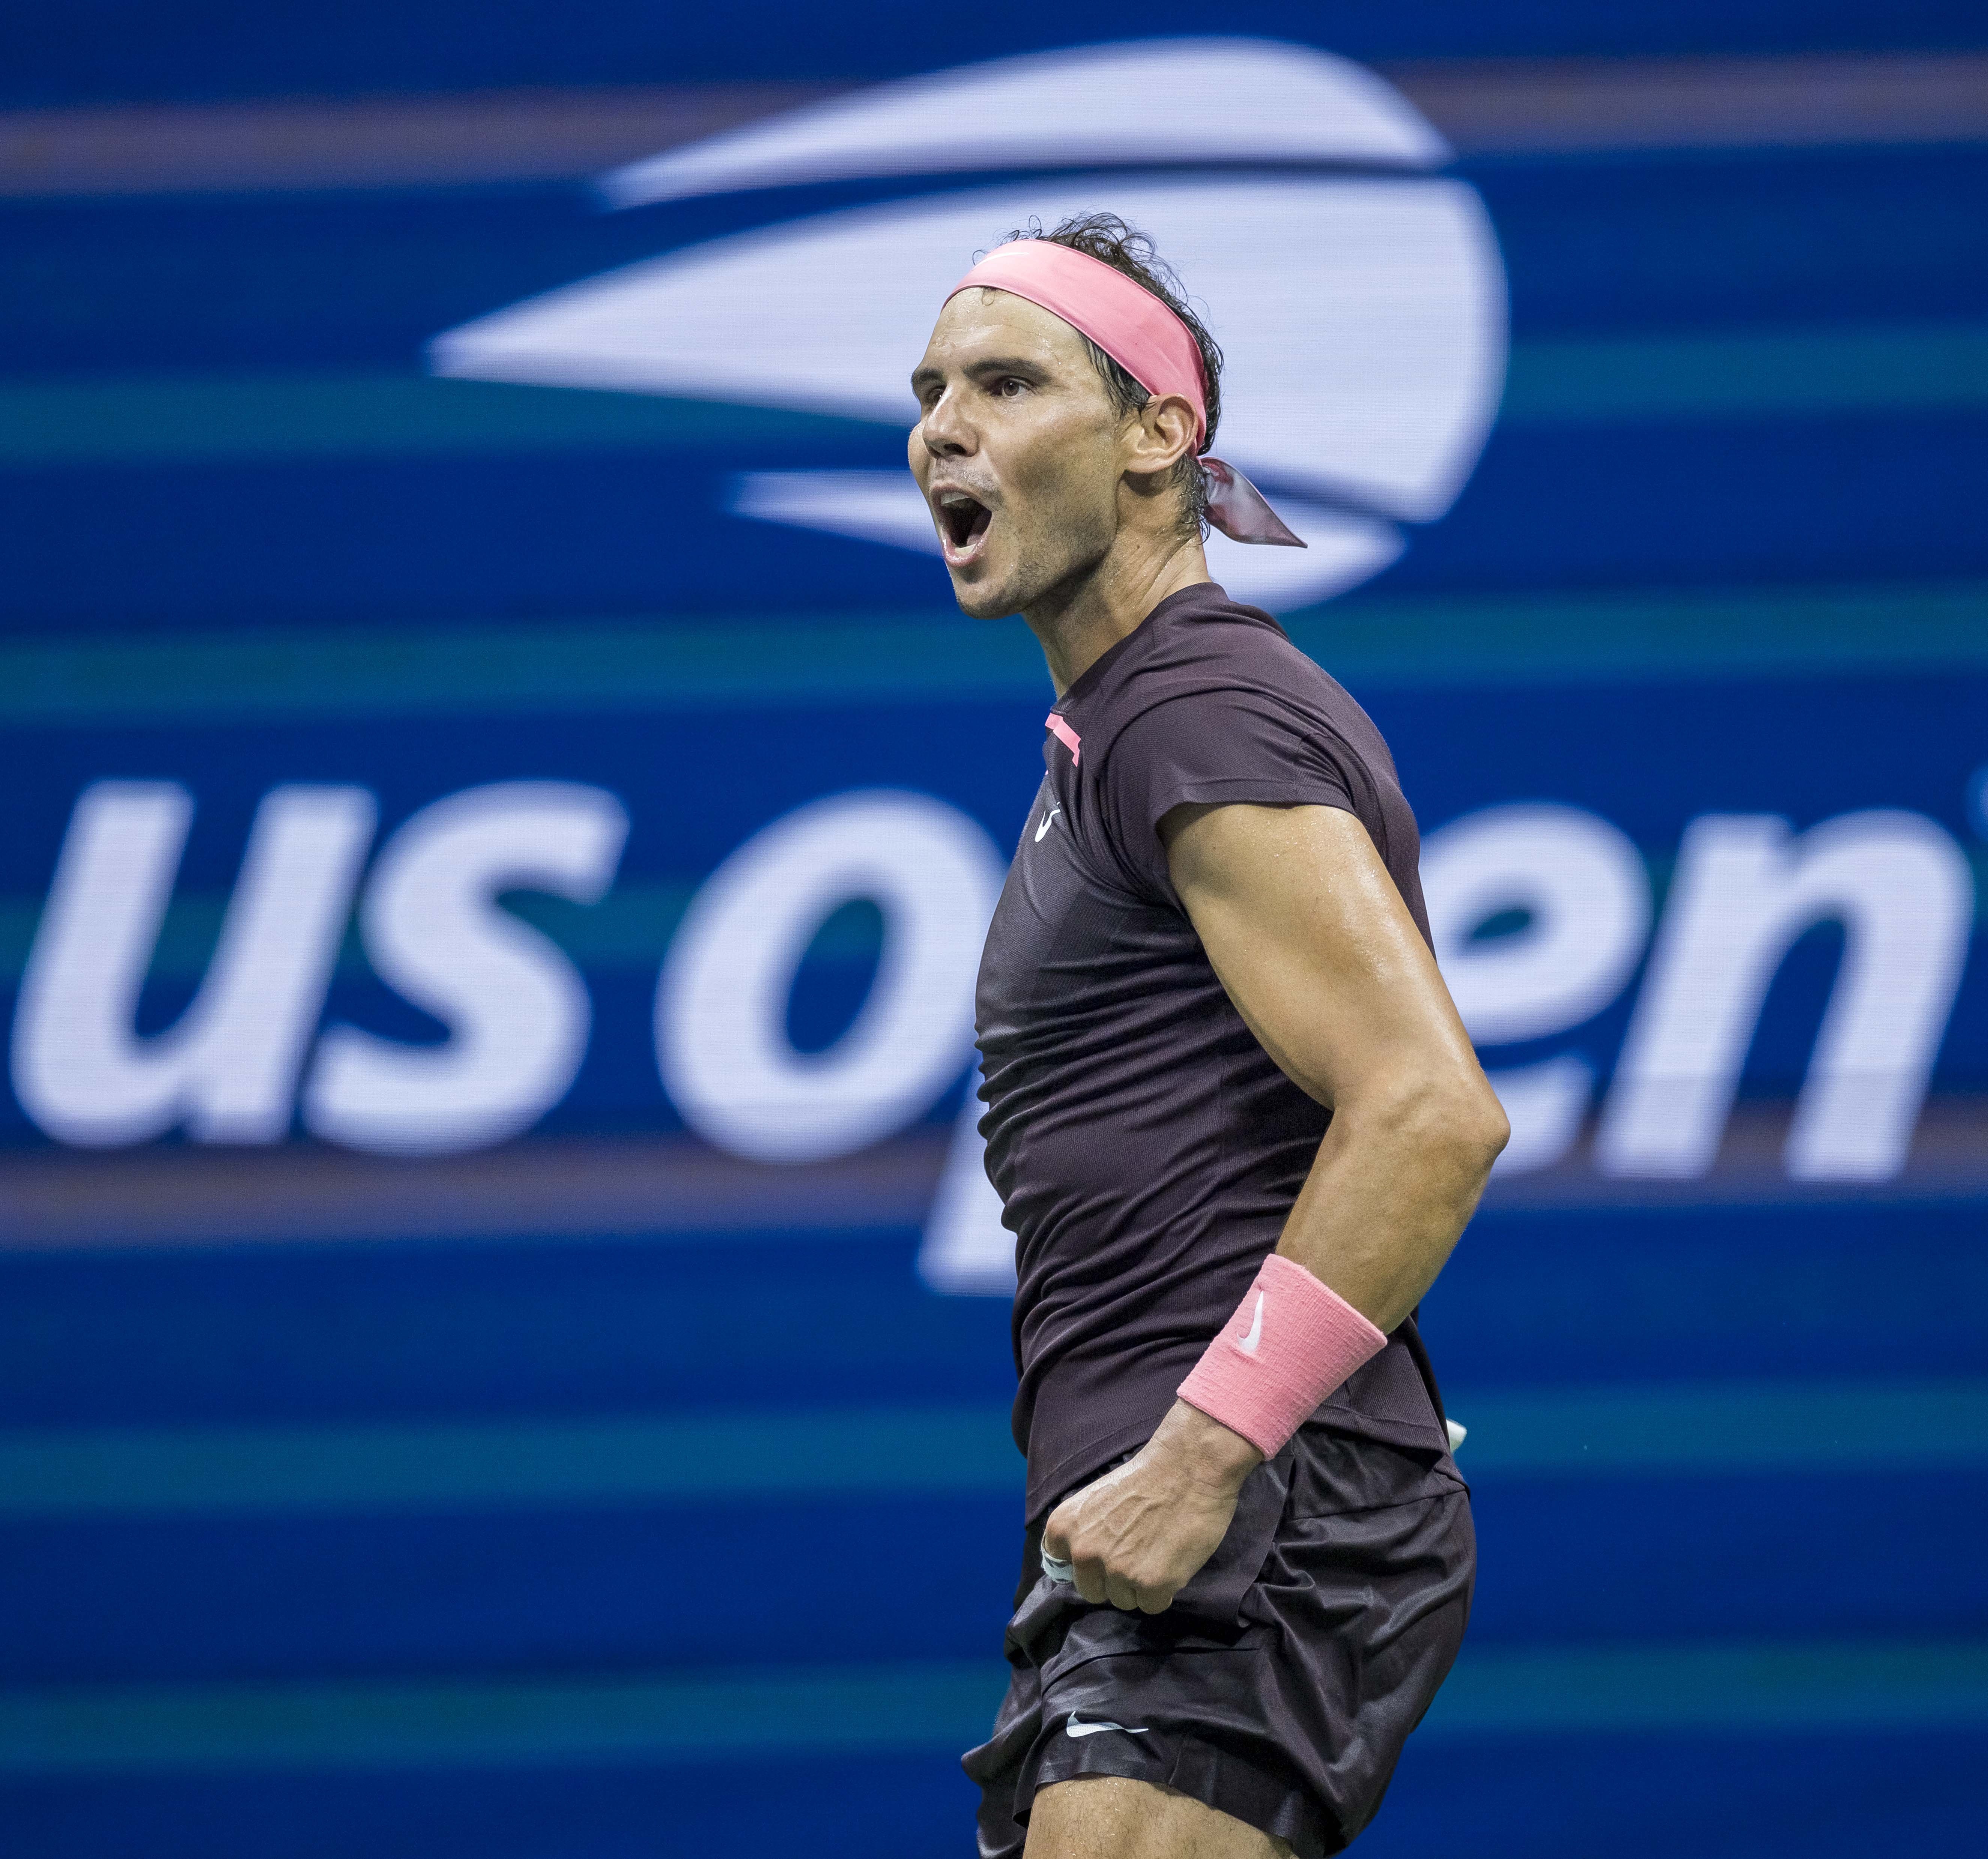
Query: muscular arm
x,y
1316,949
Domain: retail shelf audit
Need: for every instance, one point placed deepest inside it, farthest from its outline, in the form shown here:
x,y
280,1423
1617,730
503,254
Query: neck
x,y
1078,622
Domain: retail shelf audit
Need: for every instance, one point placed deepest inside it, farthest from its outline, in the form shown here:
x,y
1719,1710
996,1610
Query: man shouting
x,y
1235,1122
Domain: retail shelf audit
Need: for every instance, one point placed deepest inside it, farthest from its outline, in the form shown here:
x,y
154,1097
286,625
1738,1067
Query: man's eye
x,y
1008,386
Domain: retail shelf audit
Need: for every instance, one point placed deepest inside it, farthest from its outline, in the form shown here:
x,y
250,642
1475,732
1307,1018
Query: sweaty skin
x,y
1084,536
1050,503
1109,1816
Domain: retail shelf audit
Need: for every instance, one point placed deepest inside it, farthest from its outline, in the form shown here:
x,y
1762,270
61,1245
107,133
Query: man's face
x,y
1016,449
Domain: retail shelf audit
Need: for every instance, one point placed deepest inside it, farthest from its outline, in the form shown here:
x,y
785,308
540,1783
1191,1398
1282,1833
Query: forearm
x,y
1395,1181
1395,1178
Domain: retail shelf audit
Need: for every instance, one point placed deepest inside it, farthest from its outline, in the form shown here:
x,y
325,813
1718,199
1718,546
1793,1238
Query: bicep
x,y
1313,943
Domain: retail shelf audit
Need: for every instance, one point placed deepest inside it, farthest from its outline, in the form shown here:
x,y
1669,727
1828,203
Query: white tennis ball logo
x,y
1358,297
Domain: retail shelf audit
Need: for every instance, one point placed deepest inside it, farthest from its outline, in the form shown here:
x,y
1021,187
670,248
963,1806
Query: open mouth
x,y
962,525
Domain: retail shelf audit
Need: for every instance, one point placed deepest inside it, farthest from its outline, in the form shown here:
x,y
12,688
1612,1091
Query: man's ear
x,y
1162,434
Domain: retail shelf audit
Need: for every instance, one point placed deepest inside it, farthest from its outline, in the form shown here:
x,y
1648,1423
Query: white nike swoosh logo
x,y
1248,1343
1045,827
1073,1728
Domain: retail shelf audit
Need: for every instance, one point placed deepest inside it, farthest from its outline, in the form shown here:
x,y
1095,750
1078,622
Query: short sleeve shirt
x,y
1146,1148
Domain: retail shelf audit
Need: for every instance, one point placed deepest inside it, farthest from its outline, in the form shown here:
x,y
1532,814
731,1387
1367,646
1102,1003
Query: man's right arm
x,y
1314,944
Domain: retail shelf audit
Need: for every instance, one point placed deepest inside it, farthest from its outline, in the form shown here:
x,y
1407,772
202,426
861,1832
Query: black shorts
x,y
1282,1683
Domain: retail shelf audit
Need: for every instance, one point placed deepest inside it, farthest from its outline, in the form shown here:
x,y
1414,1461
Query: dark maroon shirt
x,y
1146,1148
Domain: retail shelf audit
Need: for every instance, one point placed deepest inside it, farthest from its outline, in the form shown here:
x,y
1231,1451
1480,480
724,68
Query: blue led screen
x,y
503,1336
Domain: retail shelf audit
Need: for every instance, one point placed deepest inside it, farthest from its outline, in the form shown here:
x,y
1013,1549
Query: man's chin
x,y
981,597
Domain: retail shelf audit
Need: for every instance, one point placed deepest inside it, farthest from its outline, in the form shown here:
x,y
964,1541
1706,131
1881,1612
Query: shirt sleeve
x,y
1213,748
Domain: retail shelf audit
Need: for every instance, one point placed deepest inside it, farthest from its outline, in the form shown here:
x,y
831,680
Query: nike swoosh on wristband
x,y
1074,1728
1248,1345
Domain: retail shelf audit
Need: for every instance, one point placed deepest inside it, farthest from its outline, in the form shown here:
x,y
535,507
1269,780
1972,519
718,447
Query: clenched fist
x,y
1136,1536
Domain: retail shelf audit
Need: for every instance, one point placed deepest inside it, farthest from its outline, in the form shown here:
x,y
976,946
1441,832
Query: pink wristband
x,y
1291,1341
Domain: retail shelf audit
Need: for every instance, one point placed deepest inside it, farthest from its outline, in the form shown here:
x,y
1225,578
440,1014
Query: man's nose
x,y
947,434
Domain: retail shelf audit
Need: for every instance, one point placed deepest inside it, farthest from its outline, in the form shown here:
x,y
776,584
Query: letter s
x,y
517,1014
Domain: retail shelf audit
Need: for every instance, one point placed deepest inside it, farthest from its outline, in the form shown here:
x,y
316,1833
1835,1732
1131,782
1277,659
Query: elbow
x,y
1486,1127
1456,1121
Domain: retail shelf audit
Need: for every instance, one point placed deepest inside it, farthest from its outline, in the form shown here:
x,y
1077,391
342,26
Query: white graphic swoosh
x,y
1045,827
1082,107
1248,1343
1400,351
1074,1728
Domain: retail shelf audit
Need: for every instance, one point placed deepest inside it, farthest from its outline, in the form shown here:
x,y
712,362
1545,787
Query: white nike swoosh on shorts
x,y
1074,1728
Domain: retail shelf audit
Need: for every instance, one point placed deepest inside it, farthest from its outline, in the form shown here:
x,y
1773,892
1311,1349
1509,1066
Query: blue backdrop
x,y
445,1407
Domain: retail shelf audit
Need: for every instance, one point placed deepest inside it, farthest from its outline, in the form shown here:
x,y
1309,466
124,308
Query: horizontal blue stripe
x,y
1725,1793
755,1580
449,1467
1795,373
113,1730
1590,1690
1589,1297
581,665
1837,1426
131,1597
1841,1425
577,664
1857,499
1651,1555
602,1322
388,542
191,419
1639,242
416,1725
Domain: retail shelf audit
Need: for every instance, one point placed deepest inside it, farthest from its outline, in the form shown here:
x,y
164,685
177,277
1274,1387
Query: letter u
x,y
228,1068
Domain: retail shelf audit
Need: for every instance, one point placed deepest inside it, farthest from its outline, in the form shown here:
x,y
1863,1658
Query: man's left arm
x,y
1315,947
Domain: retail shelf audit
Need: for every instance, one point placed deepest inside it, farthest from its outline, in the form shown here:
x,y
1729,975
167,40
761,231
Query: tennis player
x,y
1235,1122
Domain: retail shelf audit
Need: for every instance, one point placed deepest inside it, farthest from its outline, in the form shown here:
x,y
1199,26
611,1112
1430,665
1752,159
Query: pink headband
x,y
1146,339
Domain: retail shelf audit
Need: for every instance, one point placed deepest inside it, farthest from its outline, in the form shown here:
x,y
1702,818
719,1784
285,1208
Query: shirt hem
x,y
1241,789
1060,1480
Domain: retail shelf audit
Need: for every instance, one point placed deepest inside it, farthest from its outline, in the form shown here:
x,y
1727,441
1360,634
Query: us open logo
x,y
1360,294
1357,293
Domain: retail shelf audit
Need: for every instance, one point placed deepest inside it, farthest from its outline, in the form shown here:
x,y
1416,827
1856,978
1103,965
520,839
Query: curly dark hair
x,y
1108,239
